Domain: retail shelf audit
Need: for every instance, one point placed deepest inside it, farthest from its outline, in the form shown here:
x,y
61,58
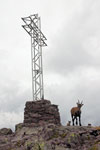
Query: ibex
x,y
69,123
76,112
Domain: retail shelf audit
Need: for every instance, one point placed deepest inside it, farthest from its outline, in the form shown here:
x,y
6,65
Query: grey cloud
x,y
13,98
72,47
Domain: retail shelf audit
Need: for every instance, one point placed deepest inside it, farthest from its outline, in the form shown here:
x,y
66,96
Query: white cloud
x,y
71,60
8,119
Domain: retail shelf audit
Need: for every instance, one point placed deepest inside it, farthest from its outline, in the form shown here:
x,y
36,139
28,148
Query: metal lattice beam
x,y
33,28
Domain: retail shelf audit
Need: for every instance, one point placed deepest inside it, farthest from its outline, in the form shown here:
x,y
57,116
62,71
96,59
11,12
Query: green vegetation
x,y
18,143
18,127
63,135
94,147
72,135
88,137
39,146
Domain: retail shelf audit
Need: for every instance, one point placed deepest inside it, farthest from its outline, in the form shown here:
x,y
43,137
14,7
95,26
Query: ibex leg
x,y
76,121
73,120
80,120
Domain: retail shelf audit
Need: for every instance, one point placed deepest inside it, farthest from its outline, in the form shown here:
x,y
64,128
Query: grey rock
x,y
41,111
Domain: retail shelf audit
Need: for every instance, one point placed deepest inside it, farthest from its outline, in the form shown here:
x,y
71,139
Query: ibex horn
x,y
78,101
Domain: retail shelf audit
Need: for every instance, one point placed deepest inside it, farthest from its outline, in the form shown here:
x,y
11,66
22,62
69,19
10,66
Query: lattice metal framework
x,y
33,28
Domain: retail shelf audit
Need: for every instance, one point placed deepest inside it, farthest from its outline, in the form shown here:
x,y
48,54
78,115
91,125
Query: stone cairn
x,y
40,112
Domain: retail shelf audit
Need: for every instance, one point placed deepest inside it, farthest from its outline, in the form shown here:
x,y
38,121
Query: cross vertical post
x,y
33,28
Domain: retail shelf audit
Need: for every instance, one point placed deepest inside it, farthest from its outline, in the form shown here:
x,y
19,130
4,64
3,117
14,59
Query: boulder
x,y
5,131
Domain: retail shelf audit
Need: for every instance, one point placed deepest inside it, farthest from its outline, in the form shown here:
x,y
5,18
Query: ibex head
x,y
79,104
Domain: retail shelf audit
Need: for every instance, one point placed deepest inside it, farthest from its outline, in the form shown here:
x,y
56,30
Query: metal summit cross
x,y
33,28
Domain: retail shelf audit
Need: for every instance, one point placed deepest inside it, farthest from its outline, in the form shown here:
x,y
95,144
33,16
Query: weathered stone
x,y
5,131
50,137
41,111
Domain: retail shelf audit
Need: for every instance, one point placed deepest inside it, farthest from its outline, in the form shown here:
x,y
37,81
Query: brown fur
x,y
69,123
74,110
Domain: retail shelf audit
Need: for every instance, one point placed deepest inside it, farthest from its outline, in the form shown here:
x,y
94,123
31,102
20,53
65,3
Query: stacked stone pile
x,y
41,111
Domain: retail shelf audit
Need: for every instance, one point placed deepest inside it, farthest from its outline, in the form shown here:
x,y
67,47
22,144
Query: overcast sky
x,y
71,61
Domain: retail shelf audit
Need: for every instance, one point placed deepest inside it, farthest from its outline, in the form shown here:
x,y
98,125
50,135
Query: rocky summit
x,y
42,130
50,137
